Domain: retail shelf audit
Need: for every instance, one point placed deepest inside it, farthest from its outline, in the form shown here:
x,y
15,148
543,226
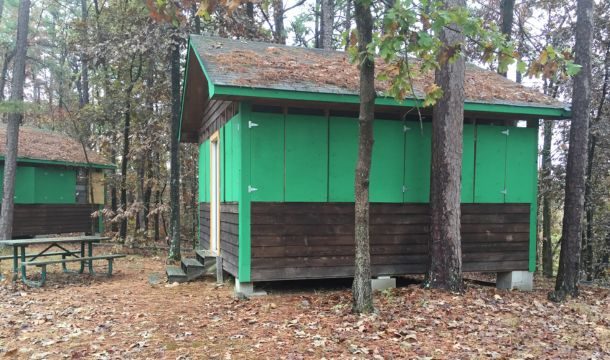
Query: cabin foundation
x,y
383,283
246,289
515,280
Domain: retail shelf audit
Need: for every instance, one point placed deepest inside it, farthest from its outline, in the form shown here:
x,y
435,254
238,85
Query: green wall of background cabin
x,y
43,185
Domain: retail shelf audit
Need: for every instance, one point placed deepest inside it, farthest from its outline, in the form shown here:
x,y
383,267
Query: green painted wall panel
x,y
228,161
24,184
306,158
342,158
418,151
521,165
244,210
221,165
236,156
490,167
387,168
55,186
267,157
468,164
204,169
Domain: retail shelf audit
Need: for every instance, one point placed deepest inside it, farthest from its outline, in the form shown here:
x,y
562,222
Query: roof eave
x,y
534,110
185,76
62,163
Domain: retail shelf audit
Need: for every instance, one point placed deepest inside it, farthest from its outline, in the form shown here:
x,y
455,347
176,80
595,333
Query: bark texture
x,y
174,251
14,120
569,260
547,221
445,263
279,32
590,267
328,15
361,289
507,9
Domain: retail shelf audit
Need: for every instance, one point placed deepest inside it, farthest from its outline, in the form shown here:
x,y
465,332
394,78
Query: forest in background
x,y
100,71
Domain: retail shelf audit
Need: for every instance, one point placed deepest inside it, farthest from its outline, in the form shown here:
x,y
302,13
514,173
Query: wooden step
x,y
193,268
175,274
202,255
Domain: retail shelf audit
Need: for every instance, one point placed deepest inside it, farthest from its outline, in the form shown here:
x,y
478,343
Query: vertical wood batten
x,y
244,256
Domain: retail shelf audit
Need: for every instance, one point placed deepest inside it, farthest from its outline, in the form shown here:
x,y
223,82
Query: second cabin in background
x,y
57,186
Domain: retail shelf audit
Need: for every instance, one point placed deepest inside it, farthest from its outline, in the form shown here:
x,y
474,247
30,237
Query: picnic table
x,y
84,255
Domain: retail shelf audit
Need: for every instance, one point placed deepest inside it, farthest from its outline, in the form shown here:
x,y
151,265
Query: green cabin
x,y
277,133
57,187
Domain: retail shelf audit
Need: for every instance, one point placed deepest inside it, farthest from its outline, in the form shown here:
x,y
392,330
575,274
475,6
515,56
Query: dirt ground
x,y
123,317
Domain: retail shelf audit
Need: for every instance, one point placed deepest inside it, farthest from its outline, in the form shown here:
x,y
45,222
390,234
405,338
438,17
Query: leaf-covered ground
x,y
126,317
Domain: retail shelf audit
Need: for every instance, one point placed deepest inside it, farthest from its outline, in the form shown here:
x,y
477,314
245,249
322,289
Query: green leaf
x,y
572,68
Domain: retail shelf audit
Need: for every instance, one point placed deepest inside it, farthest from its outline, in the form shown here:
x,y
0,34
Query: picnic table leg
x,y
82,254
90,254
23,272
15,262
33,283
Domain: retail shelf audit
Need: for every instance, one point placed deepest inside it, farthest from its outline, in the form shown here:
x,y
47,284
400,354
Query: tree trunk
x,y
83,56
327,24
5,65
14,120
196,19
278,20
547,221
507,9
140,221
148,193
361,289
250,10
445,247
317,23
348,22
569,259
157,195
589,199
113,192
174,252
124,161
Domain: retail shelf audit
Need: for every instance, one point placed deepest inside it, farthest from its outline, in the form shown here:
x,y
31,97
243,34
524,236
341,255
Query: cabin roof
x,y
236,70
44,146
272,66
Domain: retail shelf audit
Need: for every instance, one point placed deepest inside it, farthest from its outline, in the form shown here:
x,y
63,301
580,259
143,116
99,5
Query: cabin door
x,y
214,194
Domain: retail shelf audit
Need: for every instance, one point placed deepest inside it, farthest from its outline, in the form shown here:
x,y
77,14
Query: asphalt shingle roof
x,y
271,66
38,144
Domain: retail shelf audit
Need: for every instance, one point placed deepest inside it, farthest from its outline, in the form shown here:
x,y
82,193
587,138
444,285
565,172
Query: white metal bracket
x,y
252,124
405,128
251,189
404,189
503,192
506,132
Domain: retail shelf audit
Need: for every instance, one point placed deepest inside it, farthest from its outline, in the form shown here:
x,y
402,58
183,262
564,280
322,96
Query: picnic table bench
x,y
84,256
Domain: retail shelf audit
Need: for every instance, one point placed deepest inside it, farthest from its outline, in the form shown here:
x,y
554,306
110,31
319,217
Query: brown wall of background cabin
x,y
316,240
229,233
43,219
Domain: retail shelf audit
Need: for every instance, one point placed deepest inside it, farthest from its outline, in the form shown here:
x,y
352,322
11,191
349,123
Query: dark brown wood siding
x,y
229,237
43,219
316,240
215,114
229,233
204,225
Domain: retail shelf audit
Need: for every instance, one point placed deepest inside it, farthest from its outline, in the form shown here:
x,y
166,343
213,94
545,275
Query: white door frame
x,y
215,193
